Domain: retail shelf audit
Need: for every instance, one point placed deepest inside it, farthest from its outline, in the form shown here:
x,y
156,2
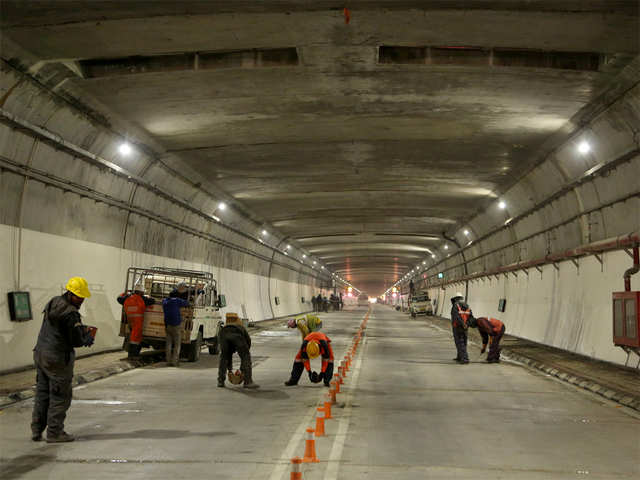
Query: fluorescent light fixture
x,y
216,218
304,256
584,148
502,205
125,149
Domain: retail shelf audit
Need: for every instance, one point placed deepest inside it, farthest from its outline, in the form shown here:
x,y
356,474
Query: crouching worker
x,y
54,356
315,344
305,324
492,331
233,337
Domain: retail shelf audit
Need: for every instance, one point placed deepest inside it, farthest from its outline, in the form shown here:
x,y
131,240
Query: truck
x,y
363,300
201,320
420,304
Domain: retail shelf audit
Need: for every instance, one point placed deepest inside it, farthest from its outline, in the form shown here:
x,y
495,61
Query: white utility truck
x,y
420,304
201,320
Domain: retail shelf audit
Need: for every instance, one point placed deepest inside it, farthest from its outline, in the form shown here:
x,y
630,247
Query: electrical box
x,y
19,306
502,304
626,319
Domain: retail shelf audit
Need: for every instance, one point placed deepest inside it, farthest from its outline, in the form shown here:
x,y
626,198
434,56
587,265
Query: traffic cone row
x,y
324,413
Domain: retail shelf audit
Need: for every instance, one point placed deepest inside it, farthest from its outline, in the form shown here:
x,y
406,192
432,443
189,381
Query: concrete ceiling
x,y
364,164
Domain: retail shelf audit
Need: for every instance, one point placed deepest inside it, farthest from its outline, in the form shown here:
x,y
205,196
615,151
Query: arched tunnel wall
x,y
63,214
569,200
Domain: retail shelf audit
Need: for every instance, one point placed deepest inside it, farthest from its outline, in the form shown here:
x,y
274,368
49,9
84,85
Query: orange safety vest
x,y
496,325
134,308
464,314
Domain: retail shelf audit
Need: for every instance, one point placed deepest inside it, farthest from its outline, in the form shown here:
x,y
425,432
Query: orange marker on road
x,y
296,474
310,448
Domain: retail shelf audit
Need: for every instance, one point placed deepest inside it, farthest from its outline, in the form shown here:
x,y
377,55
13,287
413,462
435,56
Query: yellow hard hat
x,y
313,349
79,287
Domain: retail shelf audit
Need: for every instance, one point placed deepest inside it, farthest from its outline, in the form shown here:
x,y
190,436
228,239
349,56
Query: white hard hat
x,y
458,295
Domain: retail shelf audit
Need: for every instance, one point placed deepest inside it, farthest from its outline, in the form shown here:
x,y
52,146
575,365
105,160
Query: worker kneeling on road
x,y
305,324
233,337
54,356
460,316
313,345
492,331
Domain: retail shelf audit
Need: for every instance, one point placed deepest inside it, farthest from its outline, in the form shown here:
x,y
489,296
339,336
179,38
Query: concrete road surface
x,y
407,412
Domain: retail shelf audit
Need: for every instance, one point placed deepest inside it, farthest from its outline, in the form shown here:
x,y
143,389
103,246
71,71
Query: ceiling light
x,y
424,262
304,256
446,247
314,262
216,218
222,206
584,148
288,247
502,205
124,149
466,232
264,232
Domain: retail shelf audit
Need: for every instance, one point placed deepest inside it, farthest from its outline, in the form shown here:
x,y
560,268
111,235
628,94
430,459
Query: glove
x,y
484,347
88,341
314,377
320,377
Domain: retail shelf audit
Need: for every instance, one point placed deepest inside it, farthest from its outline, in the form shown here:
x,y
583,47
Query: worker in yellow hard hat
x,y
314,345
54,355
305,324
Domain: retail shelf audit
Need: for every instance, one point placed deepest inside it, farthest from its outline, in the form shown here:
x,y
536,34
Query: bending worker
x,y
492,331
460,316
315,344
135,303
233,337
305,325
54,356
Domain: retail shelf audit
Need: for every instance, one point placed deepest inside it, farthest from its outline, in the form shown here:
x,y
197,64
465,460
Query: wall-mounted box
x,y
626,319
502,304
19,306
277,300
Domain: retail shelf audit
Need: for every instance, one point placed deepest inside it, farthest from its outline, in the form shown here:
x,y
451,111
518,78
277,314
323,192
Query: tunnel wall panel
x,y
568,308
48,260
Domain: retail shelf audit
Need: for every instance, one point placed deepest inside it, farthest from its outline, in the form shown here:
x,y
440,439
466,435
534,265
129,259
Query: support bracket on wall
x,y
629,252
556,266
497,277
576,263
526,271
515,274
599,258
539,269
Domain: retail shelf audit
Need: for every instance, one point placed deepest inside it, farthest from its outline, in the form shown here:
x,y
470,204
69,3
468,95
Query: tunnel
x,y
392,168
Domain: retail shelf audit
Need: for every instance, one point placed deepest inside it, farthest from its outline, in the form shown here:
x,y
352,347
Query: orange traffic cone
x,y
332,396
296,474
319,422
327,411
310,448
336,386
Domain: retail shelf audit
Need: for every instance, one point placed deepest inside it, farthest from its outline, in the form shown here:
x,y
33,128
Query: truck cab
x,y
201,320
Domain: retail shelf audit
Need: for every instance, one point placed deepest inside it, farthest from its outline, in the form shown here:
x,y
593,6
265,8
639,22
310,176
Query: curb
x,y
80,379
602,390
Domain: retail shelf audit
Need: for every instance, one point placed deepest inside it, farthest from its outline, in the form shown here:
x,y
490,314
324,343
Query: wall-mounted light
x,y
125,149
584,147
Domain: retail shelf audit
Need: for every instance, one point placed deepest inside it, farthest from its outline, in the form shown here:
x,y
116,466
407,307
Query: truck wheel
x,y
213,347
194,348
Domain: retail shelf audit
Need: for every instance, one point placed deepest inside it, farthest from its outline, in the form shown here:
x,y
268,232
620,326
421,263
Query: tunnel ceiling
x,y
363,141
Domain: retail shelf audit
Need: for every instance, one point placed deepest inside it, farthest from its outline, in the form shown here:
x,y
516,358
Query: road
x,y
407,412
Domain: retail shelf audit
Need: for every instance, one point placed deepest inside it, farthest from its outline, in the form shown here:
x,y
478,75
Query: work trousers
x,y
231,343
173,344
54,374
494,347
460,339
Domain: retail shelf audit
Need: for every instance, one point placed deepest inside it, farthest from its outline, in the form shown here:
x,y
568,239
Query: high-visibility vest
x,y
464,314
496,325
134,307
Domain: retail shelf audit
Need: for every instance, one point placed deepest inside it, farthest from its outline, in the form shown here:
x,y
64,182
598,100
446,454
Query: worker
x,y
54,357
412,289
341,302
325,304
460,316
315,344
491,330
173,324
233,337
305,324
313,303
135,303
319,303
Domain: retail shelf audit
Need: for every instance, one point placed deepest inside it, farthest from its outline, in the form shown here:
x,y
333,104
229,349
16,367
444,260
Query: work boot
x,y
36,436
251,385
60,437
221,383
290,383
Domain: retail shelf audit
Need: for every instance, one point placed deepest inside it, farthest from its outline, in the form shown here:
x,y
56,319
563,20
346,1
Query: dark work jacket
x,y
62,328
229,331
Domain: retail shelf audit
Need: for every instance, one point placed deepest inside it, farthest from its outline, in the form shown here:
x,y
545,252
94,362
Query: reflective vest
x,y
464,314
496,325
134,308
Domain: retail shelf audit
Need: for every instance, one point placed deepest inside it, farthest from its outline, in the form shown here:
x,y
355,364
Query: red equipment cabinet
x,y
626,319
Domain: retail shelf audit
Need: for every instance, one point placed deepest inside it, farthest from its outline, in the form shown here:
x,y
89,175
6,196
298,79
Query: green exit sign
x,y
19,306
